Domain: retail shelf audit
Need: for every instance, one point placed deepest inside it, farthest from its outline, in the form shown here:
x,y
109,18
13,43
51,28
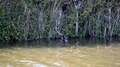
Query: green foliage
x,y
9,31
33,19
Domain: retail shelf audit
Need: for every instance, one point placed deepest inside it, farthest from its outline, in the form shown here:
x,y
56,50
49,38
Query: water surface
x,y
51,53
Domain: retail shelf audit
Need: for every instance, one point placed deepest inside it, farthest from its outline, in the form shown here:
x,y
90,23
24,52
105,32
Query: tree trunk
x,y
58,22
77,25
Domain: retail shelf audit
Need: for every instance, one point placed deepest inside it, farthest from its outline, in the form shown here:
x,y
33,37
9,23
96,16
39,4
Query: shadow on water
x,y
76,42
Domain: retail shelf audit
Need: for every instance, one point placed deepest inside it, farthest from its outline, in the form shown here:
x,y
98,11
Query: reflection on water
x,y
92,52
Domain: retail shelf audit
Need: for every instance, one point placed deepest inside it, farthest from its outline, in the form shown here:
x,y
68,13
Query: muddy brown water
x,y
51,53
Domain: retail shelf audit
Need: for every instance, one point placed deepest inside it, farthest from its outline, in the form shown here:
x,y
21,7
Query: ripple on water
x,y
39,65
56,64
33,63
26,61
117,64
8,65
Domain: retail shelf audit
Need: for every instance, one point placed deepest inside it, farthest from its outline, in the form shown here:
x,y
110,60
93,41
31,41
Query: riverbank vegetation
x,y
35,19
